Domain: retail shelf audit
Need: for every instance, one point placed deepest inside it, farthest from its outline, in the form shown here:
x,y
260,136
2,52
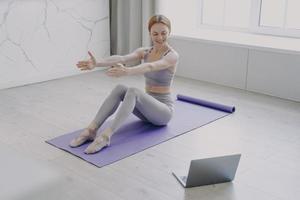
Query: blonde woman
x,y
155,105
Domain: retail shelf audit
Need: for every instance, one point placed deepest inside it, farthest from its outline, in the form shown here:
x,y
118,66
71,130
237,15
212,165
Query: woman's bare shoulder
x,y
172,55
172,50
142,51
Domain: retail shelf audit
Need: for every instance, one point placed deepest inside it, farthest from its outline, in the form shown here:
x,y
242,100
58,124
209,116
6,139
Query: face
x,y
159,33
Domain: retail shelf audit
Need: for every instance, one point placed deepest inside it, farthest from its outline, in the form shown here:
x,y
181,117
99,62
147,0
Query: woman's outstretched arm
x,y
136,55
91,63
164,63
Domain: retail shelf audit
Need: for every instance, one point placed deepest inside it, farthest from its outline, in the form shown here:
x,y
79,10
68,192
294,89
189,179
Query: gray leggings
x,y
135,101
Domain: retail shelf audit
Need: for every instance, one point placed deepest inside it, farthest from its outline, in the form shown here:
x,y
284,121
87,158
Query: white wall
x,y
262,71
209,62
276,74
43,39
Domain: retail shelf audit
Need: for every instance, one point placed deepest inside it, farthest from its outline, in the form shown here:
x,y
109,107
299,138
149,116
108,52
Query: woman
x,y
154,105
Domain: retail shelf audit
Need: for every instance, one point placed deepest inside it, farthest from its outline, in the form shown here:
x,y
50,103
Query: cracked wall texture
x,y
43,39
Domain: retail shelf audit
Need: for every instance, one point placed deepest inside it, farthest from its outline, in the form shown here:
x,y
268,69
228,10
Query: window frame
x,y
254,24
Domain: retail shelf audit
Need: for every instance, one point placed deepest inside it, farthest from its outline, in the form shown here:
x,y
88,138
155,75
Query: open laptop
x,y
210,171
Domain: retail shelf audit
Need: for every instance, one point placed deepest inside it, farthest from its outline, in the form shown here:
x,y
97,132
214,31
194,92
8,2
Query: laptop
x,y
210,171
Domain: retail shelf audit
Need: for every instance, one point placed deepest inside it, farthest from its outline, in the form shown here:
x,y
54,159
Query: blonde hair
x,y
159,19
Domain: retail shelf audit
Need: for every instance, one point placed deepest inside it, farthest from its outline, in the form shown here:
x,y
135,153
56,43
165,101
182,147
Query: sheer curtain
x,y
128,25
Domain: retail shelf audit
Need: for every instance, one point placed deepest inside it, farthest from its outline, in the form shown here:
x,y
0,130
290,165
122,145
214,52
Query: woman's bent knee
x,y
119,90
121,87
133,91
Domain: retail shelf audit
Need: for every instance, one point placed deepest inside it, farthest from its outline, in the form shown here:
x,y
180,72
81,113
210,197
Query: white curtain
x,y
129,20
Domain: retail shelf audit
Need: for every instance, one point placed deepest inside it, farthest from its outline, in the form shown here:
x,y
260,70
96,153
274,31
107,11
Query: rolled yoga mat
x,y
135,135
209,104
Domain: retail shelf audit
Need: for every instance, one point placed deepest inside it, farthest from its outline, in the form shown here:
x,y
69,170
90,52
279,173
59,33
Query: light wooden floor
x,y
266,130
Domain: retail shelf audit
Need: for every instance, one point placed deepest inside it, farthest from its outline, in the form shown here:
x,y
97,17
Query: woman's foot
x,y
87,135
100,142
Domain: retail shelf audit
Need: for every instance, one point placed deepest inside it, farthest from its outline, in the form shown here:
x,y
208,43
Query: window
x,y
275,17
278,17
272,13
227,13
184,15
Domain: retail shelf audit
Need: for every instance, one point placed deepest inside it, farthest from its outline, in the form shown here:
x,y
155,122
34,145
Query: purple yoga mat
x,y
209,104
135,135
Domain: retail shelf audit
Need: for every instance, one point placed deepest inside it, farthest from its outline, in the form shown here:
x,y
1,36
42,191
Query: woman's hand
x,y
117,70
87,64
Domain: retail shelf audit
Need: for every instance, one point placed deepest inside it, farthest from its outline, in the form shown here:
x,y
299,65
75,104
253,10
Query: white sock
x,y
100,142
87,135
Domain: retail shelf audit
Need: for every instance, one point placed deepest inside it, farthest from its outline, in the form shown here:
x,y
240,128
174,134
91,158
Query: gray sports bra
x,y
158,78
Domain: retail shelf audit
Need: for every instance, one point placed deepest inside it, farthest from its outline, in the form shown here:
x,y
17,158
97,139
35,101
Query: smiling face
x,y
159,34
